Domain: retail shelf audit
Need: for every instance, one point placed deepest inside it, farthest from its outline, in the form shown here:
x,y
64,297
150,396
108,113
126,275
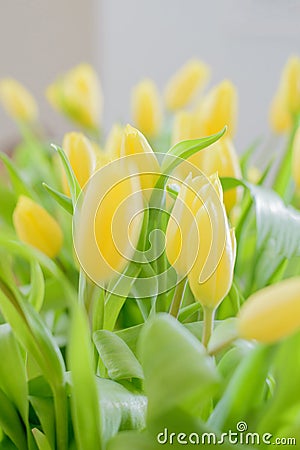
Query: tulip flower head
x,y
183,87
272,313
113,142
35,226
82,157
146,108
219,108
17,101
296,159
78,95
186,125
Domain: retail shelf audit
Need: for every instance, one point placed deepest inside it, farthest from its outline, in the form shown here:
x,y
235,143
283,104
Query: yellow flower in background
x,y
105,234
35,226
219,108
134,143
82,157
296,159
271,313
221,157
78,95
186,125
113,142
185,84
146,108
17,101
279,117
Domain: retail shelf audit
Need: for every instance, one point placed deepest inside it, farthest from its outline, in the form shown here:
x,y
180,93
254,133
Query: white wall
x,y
247,41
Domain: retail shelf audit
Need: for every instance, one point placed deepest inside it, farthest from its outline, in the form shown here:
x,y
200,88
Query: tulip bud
x,y
222,158
185,84
186,126
78,95
133,143
82,157
272,313
289,87
17,101
35,226
146,108
212,290
296,159
219,108
280,118
114,142
107,220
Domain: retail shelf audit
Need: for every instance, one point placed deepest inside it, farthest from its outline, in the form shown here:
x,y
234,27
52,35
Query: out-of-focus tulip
x,y
254,174
105,234
186,126
146,108
185,84
219,108
78,95
82,157
114,142
271,313
134,143
296,159
221,157
35,226
280,118
17,101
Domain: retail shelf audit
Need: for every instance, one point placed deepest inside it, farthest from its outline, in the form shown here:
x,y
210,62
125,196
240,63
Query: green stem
x,y
208,323
60,407
177,299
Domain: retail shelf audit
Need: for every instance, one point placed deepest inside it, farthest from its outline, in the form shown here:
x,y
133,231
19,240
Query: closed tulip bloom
x,y
289,87
113,142
82,157
185,84
296,159
279,117
105,234
186,126
272,313
78,95
17,101
212,289
35,226
146,108
221,157
219,108
134,143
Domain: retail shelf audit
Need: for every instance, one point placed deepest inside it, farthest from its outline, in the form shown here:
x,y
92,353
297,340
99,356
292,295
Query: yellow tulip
x,y
134,143
271,313
221,157
35,226
114,142
146,108
82,157
211,290
186,126
105,234
279,117
185,84
219,108
289,86
78,95
17,101
296,159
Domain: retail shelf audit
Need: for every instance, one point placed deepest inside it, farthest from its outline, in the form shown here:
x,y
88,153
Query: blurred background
x,y
246,41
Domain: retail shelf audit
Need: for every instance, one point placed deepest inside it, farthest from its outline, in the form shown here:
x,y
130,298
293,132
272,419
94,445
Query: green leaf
x,y
117,356
84,396
224,333
11,423
60,198
19,184
72,180
41,440
185,149
178,373
37,288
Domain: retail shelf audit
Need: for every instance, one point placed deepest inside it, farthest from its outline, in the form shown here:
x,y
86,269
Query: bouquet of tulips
x,y
150,280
